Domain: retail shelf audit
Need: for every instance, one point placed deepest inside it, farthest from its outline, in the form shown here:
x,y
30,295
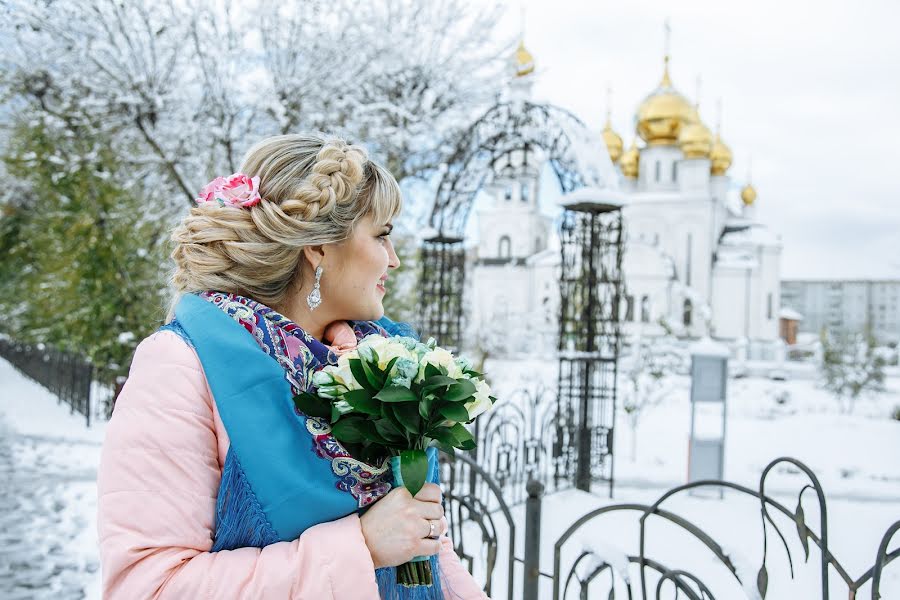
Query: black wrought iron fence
x,y
483,526
66,375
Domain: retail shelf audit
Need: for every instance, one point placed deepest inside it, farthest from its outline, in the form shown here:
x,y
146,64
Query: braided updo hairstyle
x,y
315,188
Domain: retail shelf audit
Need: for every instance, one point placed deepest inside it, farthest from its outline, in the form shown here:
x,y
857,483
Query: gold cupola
x,y
748,195
695,138
719,156
630,160
663,114
524,60
612,140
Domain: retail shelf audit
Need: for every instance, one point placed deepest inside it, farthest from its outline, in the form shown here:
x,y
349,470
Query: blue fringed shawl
x,y
284,472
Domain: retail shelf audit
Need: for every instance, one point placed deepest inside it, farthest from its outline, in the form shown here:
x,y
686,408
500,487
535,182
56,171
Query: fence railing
x,y
64,374
642,573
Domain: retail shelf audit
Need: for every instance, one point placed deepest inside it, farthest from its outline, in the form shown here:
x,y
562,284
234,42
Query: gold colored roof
x,y
720,156
630,161
695,138
613,142
663,113
524,60
748,194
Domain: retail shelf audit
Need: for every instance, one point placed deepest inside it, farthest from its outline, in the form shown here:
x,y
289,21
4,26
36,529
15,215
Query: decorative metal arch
x,y
487,149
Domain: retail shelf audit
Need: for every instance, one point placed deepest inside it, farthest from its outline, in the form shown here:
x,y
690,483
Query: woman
x,y
211,484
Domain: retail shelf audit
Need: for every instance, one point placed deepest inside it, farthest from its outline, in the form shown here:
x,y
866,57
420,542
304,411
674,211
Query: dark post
x,y
591,236
535,491
441,288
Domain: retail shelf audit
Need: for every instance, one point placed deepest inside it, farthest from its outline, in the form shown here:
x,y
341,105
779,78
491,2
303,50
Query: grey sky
x,y
810,91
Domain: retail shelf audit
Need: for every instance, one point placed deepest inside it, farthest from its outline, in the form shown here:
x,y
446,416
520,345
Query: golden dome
x,y
720,156
613,142
748,194
663,113
695,138
630,161
524,60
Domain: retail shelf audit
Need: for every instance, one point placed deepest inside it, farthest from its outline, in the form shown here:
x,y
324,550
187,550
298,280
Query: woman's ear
x,y
314,256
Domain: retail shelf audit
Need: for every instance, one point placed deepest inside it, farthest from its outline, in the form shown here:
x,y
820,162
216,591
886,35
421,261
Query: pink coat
x,y
158,480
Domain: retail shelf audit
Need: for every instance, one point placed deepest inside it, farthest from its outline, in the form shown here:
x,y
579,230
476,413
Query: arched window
x,y
538,246
526,192
658,170
645,309
688,312
629,308
505,247
675,172
508,194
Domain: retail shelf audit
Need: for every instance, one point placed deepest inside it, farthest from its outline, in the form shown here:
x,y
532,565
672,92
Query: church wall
x,y
732,287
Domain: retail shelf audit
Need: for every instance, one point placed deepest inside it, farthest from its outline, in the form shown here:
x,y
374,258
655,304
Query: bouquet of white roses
x,y
396,397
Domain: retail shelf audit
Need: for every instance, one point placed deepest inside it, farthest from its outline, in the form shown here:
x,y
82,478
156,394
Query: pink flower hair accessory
x,y
235,190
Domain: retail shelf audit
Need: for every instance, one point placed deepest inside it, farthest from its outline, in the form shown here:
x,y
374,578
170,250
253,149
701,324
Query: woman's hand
x,y
397,527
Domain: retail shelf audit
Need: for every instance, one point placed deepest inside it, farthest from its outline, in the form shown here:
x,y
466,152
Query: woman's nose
x,y
393,259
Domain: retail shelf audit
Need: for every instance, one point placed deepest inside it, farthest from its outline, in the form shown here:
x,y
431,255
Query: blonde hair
x,y
315,188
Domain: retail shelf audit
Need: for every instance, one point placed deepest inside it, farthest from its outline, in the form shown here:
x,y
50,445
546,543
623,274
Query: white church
x,y
696,262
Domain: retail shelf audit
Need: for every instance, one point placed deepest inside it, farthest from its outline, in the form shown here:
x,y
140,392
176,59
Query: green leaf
x,y
432,371
454,412
348,430
361,376
462,435
396,393
407,414
460,391
443,435
436,381
373,373
413,470
312,406
362,401
445,447
335,413
425,407
390,430
390,366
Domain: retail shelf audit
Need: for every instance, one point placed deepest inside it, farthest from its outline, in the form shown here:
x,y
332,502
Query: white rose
x,y
392,351
439,357
481,401
342,373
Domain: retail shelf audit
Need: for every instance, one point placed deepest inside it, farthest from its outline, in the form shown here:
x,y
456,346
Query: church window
x,y
505,248
525,192
675,172
658,169
629,308
645,309
769,305
688,312
537,244
508,195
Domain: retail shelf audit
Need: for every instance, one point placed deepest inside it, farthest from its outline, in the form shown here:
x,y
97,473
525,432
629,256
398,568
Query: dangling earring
x,y
315,296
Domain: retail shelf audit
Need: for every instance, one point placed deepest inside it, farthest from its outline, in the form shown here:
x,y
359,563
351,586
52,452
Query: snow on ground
x,y
48,499
854,457
48,459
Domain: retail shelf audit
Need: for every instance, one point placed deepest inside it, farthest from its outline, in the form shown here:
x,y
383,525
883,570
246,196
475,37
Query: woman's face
x,y
355,273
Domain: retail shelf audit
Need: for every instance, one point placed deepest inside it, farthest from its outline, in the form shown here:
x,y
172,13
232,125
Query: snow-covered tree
x,y
182,89
851,367
647,379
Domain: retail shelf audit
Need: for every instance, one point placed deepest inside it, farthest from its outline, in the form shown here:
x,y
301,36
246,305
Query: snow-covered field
x,y
48,464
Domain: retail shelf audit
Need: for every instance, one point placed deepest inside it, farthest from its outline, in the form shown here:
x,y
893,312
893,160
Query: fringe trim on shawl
x,y
240,520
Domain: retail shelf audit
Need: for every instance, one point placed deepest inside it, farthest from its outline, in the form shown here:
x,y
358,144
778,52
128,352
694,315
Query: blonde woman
x,y
211,483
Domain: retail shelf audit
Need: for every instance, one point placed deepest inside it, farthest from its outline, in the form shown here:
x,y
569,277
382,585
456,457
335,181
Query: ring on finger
x,y
431,530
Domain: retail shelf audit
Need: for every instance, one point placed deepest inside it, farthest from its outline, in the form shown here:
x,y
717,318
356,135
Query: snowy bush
x,y
851,367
